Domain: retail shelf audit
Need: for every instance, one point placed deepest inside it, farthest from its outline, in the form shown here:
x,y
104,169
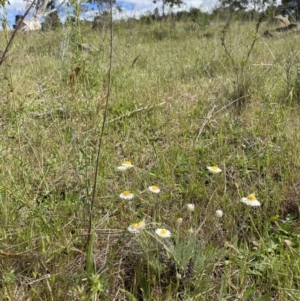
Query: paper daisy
x,y
251,200
126,195
219,213
190,207
122,168
154,189
163,233
137,227
126,165
214,169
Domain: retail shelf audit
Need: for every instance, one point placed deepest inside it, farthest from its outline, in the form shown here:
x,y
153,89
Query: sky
x,y
131,8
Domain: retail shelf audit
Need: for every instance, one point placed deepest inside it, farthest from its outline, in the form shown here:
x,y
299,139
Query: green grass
x,y
178,104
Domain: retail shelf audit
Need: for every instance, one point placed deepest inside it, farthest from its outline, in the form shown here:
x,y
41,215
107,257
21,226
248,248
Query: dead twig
x,y
8,254
223,41
255,36
129,114
210,113
208,116
231,103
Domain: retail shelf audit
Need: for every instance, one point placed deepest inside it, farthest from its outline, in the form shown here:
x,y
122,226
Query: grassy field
x,y
180,101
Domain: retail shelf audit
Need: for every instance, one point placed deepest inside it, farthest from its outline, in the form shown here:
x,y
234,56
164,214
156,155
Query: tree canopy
x,y
243,4
102,3
170,3
291,4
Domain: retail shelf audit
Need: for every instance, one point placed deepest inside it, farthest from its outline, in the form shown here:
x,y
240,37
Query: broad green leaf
x,y
265,297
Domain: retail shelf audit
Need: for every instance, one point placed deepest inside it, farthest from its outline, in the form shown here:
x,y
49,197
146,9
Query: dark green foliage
x,y
170,3
52,22
102,3
51,4
235,5
290,4
194,15
290,8
239,10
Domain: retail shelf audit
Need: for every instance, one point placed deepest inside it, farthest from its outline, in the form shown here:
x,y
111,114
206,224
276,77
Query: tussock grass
x,y
174,110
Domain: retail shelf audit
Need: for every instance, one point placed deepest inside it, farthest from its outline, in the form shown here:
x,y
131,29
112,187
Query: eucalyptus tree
x,y
39,10
169,3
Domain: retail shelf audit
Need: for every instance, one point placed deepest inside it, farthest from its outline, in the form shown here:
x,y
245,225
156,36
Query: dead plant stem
x,y
100,138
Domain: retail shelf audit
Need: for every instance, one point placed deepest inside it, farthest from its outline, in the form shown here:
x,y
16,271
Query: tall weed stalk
x,y
91,233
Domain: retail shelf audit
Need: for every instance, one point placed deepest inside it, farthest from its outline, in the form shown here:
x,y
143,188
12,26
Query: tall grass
x,y
172,113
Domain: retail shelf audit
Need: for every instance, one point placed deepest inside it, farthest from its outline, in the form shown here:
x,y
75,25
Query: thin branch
x,y
54,9
129,114
231,103
226,27
15,32
210,113
208,116
256,35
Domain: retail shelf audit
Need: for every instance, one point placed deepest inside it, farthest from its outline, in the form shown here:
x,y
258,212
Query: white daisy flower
x,y
127,164
154,189
190,207
163,233
219,213
124,166
214,169
126,195
251,200
137,227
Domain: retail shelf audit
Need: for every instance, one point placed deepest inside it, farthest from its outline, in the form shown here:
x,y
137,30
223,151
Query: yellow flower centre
x,y
127,163
251,197
163,232
139,224
215,167
126,192
154,187
134,226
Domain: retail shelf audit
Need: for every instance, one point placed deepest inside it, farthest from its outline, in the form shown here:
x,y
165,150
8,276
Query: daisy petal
x,y
164,233
126,195
251,200
154,189
214,169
